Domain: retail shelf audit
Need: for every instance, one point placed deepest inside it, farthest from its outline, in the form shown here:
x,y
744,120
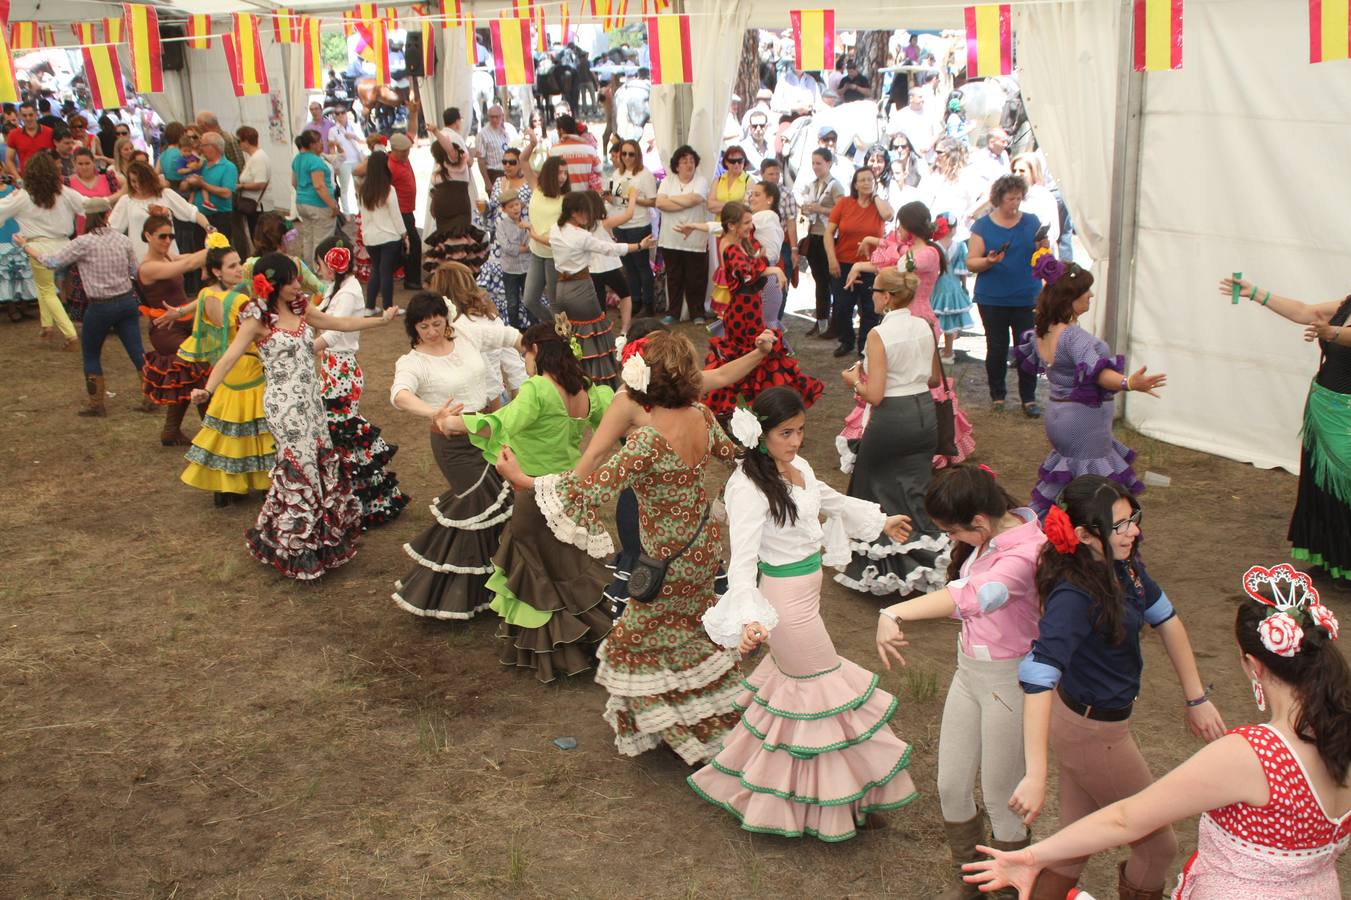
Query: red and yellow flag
x,y
24,36
512,59
285,25
1329,30
522,9
989,40
104,75
1158,35
424,26
48,36
112,31
391,18
4,16
380,50
248,72
615,18
450,11
362,13
668,43
470,41
541,35
147,70
86,33
813,39
564,20
199,32
310,31
9,86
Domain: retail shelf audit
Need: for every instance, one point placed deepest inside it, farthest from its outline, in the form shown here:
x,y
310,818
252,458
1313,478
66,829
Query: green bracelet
x,y
1266,298
1253,295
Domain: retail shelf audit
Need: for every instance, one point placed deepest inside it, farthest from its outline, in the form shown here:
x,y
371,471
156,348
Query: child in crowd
x,y
513,241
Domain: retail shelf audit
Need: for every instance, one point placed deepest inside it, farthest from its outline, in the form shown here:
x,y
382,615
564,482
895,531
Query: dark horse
x,y
561,75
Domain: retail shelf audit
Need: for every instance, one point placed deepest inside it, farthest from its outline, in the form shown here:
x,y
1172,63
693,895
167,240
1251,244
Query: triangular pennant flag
x,y
512,58
285,26
147,70
1329,30
813,39
668,43
310,34
23,35
9,86
199,32
989,41
112,31
104,75
1158,35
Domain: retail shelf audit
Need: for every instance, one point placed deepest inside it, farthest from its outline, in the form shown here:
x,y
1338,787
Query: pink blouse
x,y
892,252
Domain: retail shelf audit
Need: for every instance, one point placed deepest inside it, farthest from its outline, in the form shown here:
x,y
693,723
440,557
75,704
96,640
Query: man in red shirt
x,y
579,154
29,138
405,186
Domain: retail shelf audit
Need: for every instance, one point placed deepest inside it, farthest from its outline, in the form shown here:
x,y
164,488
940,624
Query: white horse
x,y
856,124
632,108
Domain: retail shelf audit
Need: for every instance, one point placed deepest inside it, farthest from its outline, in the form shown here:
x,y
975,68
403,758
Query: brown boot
x,y
1008,847
93,385
962,840
172,435
1052,885
1127,891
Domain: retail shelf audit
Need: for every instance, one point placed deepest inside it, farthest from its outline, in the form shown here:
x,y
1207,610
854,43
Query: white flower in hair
x,y
1281,634
746,427
637,374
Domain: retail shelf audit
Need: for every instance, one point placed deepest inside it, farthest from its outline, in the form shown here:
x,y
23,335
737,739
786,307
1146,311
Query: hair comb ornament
x,y
1293,603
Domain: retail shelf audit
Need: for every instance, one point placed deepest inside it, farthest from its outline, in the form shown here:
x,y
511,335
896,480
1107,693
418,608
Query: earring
x,y
1259,695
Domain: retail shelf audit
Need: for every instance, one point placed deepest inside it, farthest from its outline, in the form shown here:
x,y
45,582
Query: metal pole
x,y
1130,94
683,105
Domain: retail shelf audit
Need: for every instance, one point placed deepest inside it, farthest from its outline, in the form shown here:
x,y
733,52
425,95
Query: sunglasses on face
x,y
121,133
736,161
163,235
508,162
628,153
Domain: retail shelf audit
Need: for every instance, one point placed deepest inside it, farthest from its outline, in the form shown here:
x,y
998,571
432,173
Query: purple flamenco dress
x,y
1079,416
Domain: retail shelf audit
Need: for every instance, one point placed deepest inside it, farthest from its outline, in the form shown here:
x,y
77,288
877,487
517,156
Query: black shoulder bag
x,y
648,573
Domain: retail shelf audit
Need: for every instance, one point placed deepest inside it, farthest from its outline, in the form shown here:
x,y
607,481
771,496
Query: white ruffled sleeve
x,y
861,520
747,513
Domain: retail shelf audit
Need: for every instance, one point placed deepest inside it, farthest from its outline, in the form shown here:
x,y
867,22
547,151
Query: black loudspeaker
x,y
412,54
171,48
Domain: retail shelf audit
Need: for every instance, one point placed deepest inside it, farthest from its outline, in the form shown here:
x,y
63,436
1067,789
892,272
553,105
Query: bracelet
x,y
1266,298
1126,383
1204,698
1253,295
889,614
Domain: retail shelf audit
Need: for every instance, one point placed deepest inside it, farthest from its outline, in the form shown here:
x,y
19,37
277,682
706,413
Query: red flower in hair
x,y
338,259
1060,531
941,228
631,348
261,286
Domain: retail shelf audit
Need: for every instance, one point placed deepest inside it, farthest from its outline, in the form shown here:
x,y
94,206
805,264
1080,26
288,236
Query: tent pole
x,y
1130,95
683,101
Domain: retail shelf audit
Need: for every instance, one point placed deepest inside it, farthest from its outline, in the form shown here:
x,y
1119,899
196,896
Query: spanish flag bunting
x,y
1158,35
668,43
310,32
522,9
600,8
813,39
1329,30
512,59
989,41
104,75
541,35
147,71
48,36
199,32
23,35
618,9
4,17
9,86
470,41
450,11
391,18
112,31
361,13
424,25
86,33
380,50
564,20
249,73
285,25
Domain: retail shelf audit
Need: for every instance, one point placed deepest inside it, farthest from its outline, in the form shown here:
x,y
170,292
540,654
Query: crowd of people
x,y
548,285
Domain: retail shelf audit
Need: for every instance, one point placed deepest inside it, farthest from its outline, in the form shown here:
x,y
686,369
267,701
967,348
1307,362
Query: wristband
x,y
1204,698
889,614
1253,295
1266,298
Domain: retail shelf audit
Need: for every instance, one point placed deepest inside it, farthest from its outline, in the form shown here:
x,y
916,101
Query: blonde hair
x,y
952,158
676,375
455,282
1033,167
900,287
119,163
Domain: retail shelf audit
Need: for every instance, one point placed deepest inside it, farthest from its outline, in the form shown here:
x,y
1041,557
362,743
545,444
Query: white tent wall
x,y
1243,167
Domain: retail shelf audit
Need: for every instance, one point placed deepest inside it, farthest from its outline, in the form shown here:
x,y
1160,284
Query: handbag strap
x,y
943,373
697,531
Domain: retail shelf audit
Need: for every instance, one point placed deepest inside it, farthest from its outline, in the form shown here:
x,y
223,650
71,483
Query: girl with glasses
x,y
516,182
631,177
1082,677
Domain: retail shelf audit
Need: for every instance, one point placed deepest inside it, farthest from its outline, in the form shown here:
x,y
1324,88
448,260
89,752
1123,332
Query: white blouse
x,y
908,343
129,215
384,224
461,374
573,246
347,301
36,223
768,233
505,370
755,538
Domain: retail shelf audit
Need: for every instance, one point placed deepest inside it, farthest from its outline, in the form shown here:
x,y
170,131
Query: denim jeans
x,y
637,267
100,319
540,281
860,295
513,286
384,260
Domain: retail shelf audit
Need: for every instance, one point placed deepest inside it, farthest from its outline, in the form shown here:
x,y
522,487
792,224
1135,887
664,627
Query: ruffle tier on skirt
x,y
1082,444
310,520
812,755
233,451
364,452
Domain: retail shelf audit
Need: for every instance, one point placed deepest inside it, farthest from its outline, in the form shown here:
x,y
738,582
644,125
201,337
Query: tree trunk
x,y
871,51
748,73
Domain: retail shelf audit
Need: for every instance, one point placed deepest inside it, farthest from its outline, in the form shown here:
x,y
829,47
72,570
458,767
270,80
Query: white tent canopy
x,y
1217,142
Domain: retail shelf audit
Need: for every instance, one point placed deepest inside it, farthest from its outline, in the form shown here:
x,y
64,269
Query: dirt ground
x,y
177,720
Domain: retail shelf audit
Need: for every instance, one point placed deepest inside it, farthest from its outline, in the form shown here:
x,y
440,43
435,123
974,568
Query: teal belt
x,y
792,570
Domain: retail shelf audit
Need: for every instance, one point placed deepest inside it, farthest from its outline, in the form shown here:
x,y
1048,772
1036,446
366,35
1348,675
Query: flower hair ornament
x,y
635,373
1293,603
339,259
746,428
1046,267
563,328
217,241
261,286
941,227
1060,531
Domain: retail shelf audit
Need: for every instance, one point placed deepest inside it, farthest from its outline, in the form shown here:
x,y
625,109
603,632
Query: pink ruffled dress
x,y
1284,850
813,753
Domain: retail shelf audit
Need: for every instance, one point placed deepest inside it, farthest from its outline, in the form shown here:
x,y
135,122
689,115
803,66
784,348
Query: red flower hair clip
x,y
338,259
941,227
631,348
261,286
1060,531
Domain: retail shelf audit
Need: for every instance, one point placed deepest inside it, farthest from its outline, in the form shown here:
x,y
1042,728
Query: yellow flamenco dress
x,y
233,451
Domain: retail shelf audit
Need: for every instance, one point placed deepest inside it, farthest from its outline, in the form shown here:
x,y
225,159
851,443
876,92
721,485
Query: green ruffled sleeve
x,y
514,418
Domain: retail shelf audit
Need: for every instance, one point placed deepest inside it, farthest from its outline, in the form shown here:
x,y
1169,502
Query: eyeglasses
x,y
163,235
759,125
629,154
736,161
1124,525
509,162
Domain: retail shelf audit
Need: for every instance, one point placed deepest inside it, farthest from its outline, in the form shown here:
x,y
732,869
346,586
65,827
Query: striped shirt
x,y
581,160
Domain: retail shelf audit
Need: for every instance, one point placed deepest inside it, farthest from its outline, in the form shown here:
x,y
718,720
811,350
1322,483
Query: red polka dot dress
x,y
743,273
1284,850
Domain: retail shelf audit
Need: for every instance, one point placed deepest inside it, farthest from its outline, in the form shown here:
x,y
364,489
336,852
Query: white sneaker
x,y
370,313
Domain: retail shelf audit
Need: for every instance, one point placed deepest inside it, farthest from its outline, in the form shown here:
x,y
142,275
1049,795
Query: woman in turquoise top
x,y
312,178
548,593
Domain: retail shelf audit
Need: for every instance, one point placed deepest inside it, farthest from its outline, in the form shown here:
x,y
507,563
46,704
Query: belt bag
x,y
648,573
